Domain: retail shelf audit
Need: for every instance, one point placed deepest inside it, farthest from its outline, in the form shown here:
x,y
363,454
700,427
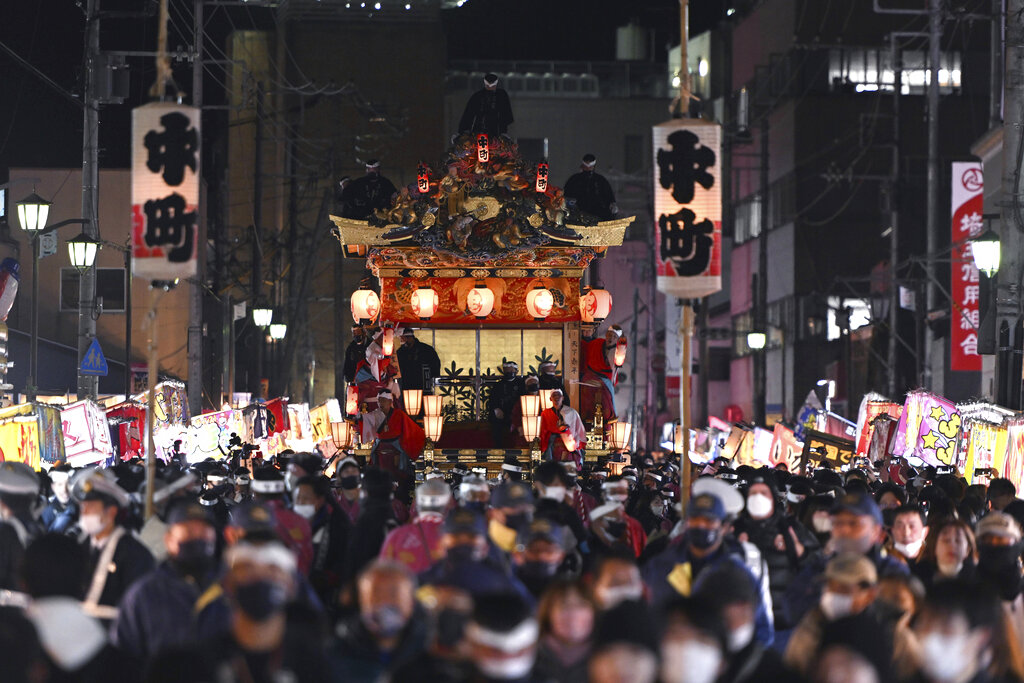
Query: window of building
x,y
110,285
718,363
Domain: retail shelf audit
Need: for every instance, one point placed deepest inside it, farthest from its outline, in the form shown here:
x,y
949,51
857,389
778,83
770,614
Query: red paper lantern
x,y
539,302
480,301
483,148
542,177
423,179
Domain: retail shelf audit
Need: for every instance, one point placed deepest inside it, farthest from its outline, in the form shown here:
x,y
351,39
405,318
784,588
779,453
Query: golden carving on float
x,y
482,208
480,273
512,272
449,272
419,273
536,220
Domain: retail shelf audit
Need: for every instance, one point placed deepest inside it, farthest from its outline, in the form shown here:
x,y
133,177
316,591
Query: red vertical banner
x,y
967,186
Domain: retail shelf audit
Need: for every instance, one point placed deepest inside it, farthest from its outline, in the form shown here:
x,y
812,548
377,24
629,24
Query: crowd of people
x,y
301,569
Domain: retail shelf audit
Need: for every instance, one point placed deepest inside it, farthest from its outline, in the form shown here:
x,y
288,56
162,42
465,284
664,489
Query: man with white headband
x,y
61,513
562,434
417,545
397,439
600,375
502,637
362,196
591,192
488,110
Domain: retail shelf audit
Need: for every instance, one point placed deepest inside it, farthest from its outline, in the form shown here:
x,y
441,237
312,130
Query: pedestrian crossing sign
x,y
94,363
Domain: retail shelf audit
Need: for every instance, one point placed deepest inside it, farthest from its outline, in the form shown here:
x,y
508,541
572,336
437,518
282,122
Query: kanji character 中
x,y
172,150
685,166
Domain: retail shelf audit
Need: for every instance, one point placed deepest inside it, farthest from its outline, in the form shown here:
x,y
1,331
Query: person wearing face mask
x,y
269,636
501,403
616,578
964,636
502,637
539,555
19,488
302,465
60,513
347,481
241,480
547,379
727,591
999,564
511,510
693,642
474,493
157,611
783,542
330,528
566,616
848,602
268,488
951,553
908,534
389,629
856,528
116,557
417,545
554,485
616,491
681,566
376,520
612,533
625,646
815,513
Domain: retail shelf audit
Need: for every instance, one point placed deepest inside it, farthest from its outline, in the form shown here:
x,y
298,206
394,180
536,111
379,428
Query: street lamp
x,y
986,251
262,316
278,331
756,341
82,252
32,213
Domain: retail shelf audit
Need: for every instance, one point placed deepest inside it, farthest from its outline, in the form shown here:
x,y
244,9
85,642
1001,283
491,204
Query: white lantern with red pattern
x,y
539,302
480,301
424,303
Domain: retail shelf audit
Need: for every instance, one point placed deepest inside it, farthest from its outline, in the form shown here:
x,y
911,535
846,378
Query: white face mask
x,y
909,550
306,511
616,497
741,637
759,505
506,669
290,479
822,525
946,658
556,493
836,605
690,662
91,524
613,595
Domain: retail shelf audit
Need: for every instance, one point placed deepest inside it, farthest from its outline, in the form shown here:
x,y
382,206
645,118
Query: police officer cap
x,y
18,479
511,494
491,79
433,494
540,530
182,511
706,506
254,519
464,521
268,480
94,483
60,473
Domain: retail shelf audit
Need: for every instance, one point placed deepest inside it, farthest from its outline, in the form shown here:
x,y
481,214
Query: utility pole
x,y
257,235
1011,227
195,292
761,301
88,385
932,216
894,219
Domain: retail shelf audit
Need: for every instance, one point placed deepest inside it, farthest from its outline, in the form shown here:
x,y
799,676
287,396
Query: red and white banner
x,y
968,186
688,207
165,190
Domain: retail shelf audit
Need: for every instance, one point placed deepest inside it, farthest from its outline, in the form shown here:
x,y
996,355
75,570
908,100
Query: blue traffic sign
x,y
94,363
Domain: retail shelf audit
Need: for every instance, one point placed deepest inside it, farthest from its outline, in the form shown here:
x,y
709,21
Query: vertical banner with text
x,y
165,190
968,185
688,207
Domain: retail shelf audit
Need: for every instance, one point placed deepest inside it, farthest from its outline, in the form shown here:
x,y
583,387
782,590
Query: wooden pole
x,y
685,333
151,315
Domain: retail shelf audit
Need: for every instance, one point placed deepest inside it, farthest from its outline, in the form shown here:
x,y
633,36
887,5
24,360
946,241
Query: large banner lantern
x,y
688,207
965,284
165,190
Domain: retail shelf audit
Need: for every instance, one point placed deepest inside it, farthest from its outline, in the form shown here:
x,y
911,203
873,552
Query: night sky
x,y
40,128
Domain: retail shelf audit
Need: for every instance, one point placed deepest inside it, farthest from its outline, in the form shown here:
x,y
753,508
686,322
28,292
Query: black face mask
x,y
194,557
451,626
458,554
534,569
508,374
259,600
999,557
476,506
615,528
349,483
518,520
702,538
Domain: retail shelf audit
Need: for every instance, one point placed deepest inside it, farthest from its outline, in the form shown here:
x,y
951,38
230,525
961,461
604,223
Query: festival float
x,y
484,258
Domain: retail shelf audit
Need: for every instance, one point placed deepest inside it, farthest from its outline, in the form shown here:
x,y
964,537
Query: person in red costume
x,y
559,419
377,371
397,440
599,375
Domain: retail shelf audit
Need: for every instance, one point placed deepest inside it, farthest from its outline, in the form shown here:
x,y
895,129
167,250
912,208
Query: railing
x,y
565,78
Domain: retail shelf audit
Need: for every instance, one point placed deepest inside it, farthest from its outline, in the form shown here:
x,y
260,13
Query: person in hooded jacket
x,y
330,527
784,542
376,520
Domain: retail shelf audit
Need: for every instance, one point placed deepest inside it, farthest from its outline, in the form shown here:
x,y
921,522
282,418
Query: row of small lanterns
x,y
343,431
595,303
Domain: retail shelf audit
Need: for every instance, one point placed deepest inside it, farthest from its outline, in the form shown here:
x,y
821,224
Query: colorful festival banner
x,y
86,434
872,410
820,447
31,433
785,448
209,434
985,441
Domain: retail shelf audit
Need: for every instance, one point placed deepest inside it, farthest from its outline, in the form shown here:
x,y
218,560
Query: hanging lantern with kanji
x,y
365,305
423,179
595,304
541,186
483,148
539,302
480,301
424,303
